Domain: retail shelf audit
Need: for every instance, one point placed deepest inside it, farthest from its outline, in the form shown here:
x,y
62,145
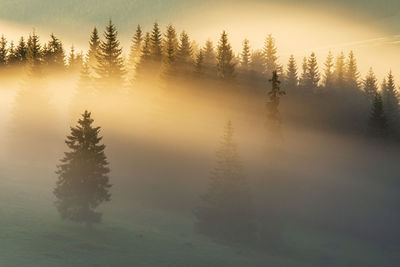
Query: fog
x,y
318,185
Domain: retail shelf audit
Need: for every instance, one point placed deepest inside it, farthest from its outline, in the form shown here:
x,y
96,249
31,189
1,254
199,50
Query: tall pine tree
x,y
291,79
328,77
274,119
110,68
135,49
377,120
370,85
83,182
271,57
245,55
226,212
391,103
225,58
93,53
156,43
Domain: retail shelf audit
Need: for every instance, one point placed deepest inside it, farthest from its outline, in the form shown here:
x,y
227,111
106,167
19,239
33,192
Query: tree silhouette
x,y
377,121
225,64
135,49
245,55
351,72
83,182
328,77
339,73
274,119
156,43
226,212
93,53
370,86
3,51
54,55
391,102
271,58
291,79
312,76
110,69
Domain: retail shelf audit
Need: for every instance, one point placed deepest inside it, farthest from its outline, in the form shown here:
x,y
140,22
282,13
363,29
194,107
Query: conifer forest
x,y
199,133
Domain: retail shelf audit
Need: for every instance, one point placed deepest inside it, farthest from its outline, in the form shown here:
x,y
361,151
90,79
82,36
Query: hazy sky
x,y
370,27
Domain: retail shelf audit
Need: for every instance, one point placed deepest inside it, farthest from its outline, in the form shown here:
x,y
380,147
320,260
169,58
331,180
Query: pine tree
x,y
110,70
370,86
271,58
54,53
184,49
226,212
199,64
21,51
156,43
340,70
144,63
93,53
377,121
274,119
225,57
313,76
257,63
291,79
3,51
303,78
12,55
245,56
328,77
391,102
74,62
135,49
170,51
209,53
351,74
83,182
34,54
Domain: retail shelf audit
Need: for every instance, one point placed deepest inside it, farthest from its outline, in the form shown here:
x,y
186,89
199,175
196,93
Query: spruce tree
x,y
225,57
274,119
144,64
370,86
245,55
184,49
93,53
3,51
328,77
257,63
352,75
391,102
291,79
226,212
199,64
377,121
83,182
12,58
313,76
21,51
54,53
340,70
271,58
303,78
34,54
74,60
209,53
170,50
156,43
110,70
135,49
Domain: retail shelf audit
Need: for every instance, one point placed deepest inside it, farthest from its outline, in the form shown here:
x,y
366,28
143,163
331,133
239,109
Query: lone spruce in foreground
x,y
83,182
